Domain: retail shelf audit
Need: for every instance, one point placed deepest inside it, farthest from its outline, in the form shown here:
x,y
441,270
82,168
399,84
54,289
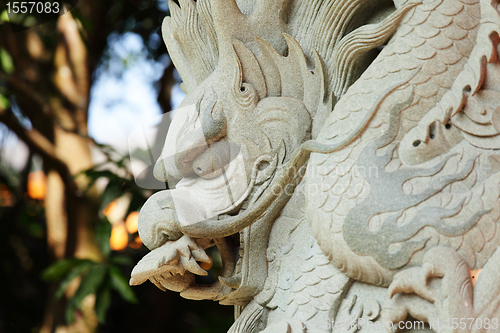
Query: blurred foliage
x,y
99,278
4,101
24,255
6,61
29,275
96,278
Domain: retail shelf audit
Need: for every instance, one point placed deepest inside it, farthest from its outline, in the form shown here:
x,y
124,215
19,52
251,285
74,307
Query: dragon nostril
x,y
447,126
432,130
416,143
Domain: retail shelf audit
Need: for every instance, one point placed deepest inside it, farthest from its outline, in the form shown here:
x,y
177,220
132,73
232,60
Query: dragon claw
x,y
192,266
166,266
200,256
427,272
157,283
409,281
437,290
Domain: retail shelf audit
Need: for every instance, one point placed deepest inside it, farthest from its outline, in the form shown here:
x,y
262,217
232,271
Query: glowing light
x,y
119,237
137,243
131,222
116,210
109,208
207,265
37,185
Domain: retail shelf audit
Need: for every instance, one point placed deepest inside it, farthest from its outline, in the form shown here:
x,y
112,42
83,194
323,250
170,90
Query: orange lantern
x,y
37,185
109,208
137,243
119,237
132,222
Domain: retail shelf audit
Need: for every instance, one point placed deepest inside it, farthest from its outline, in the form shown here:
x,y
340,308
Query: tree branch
x,y
40,144
36,136
28,91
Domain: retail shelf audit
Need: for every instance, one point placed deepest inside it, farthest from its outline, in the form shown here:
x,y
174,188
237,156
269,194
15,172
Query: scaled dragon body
x,y
335,151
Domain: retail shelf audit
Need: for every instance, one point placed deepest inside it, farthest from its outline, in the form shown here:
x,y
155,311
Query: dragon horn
x,y
277,9
230,23
251,71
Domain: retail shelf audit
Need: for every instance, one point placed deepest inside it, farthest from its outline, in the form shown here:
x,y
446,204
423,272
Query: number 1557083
x,y
33,7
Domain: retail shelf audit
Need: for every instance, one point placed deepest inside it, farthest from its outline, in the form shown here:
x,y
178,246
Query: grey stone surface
x,y
343,156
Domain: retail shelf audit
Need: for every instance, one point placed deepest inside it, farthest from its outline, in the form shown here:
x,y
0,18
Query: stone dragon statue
x,y
344,158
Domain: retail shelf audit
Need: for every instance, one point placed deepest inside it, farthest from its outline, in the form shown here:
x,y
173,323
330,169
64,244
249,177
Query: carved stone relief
x,y
344,158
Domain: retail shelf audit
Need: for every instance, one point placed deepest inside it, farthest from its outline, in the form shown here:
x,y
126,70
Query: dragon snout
x,y
193,130
428,140
157,221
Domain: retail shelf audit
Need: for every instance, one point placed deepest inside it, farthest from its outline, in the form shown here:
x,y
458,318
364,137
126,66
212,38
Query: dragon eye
x,y
246,95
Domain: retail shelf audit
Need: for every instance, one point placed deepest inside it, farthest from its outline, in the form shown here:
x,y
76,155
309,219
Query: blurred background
x,y
71,92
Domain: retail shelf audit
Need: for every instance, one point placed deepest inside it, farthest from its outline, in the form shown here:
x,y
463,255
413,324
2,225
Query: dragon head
x,y
226,150
236,147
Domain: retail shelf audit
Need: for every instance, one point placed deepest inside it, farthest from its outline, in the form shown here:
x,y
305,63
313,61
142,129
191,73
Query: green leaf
x,y
138,199
4,102
111,192
30,21
93,175
59,269
120,284
90,283
103,301
70,312
6,61
121,260
103,233
72,274
4,17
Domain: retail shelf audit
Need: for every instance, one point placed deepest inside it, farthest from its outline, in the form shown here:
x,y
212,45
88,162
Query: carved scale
x,y
344,158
